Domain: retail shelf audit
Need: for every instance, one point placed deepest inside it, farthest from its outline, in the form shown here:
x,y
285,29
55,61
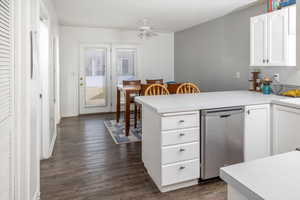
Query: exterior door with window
x,y
124,62
94,79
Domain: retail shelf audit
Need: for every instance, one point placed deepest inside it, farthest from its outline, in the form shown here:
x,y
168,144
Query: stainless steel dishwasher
x,y
222,139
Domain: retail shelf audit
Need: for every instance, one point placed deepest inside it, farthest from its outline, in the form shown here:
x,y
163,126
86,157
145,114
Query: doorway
x,y
102,68
94,79
47,84
124,62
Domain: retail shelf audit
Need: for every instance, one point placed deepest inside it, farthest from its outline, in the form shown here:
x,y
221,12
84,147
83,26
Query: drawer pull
x,y
181,150
181,134
181,168
181,121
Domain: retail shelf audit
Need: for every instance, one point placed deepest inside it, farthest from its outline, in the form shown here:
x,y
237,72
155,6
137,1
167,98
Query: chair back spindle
x,y
156,89
188,88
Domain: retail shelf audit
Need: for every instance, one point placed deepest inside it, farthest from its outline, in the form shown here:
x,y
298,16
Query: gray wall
x,y
210,54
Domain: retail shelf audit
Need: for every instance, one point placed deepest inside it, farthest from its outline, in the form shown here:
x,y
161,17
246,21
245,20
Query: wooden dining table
x,y
128,91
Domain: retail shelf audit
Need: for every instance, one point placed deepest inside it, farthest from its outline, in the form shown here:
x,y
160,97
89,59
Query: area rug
x,y
117,132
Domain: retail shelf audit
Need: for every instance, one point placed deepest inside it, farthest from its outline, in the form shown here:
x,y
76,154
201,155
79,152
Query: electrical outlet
x,y
276,77
238,75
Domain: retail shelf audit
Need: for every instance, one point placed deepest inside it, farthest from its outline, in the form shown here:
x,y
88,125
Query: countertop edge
x,y
282,103
239,186
165,108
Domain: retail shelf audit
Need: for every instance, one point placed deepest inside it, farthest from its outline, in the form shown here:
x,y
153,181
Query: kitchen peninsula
x,y
172,150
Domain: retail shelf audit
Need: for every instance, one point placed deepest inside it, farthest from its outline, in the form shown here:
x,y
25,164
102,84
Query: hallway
x,y
88,165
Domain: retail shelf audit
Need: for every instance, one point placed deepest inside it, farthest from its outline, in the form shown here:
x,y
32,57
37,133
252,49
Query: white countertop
x,y
272,178
207,100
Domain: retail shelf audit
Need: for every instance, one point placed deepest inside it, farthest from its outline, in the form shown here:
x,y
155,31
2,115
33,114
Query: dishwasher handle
x,y
225,116
223,112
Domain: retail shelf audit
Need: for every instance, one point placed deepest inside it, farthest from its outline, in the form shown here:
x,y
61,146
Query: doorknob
x,y
81,78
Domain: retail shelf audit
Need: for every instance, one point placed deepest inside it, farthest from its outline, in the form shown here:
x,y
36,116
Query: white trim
x,y
37,196
51,148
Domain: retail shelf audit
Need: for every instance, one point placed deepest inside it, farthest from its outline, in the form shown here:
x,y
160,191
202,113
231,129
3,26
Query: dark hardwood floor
x,y
88,165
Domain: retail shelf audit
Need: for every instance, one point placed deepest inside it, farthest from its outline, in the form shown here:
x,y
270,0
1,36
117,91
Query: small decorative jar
x,y
266,86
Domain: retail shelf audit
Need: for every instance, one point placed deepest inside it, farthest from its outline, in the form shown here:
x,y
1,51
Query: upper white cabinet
x,y
286,126
259,40
273,38
257,137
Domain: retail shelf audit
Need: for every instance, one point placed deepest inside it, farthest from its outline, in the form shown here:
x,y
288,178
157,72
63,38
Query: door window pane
x,y
126,64
95,77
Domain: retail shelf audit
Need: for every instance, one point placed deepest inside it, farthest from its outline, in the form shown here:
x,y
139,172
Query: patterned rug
x,y
117,132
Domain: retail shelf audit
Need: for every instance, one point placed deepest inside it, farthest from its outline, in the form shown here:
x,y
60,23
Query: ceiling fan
x,y
146,31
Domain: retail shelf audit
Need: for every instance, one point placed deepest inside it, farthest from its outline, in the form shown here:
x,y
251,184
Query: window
x,y
126,64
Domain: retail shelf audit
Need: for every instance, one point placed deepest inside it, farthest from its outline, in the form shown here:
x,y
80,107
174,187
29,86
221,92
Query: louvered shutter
x,y
5,60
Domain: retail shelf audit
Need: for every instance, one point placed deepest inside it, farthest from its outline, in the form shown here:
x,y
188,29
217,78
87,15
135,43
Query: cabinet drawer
x,y
180,136
180,153
180,172
180,121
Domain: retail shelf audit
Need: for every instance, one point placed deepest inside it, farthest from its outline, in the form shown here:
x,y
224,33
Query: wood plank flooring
x,y
88,165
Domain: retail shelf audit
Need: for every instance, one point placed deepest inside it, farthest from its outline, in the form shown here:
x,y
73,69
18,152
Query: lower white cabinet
x,y
286,129
257,137
170,148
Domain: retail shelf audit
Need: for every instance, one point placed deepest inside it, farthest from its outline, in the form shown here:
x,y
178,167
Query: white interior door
x,y
124,67
46,86
94,79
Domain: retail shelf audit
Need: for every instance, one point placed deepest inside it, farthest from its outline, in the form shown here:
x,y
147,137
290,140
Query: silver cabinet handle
x,y
248,112
264,60
181,168
267,60
181,134
181,150
181,121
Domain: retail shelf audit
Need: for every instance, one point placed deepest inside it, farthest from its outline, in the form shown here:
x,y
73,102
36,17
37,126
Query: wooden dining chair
x,y
187,88
132,83
156,89
148,90
172,87
155,81
137,106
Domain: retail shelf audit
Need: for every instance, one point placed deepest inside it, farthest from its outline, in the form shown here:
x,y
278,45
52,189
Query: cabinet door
x,y
258,40
257,132
278,38
286,129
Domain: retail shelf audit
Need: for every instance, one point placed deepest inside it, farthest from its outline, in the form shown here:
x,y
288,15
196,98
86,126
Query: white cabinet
x,y
171,149
273,38
278,38
286,129
257,132
259,40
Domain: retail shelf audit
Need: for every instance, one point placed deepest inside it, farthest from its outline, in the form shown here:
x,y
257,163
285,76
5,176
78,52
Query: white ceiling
x,y
164,15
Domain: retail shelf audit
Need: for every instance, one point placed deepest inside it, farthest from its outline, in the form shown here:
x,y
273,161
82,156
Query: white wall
x,y
156,58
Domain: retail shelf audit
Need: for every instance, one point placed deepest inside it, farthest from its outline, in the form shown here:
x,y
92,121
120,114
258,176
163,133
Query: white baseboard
x,y
37,196
52,143
51,148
